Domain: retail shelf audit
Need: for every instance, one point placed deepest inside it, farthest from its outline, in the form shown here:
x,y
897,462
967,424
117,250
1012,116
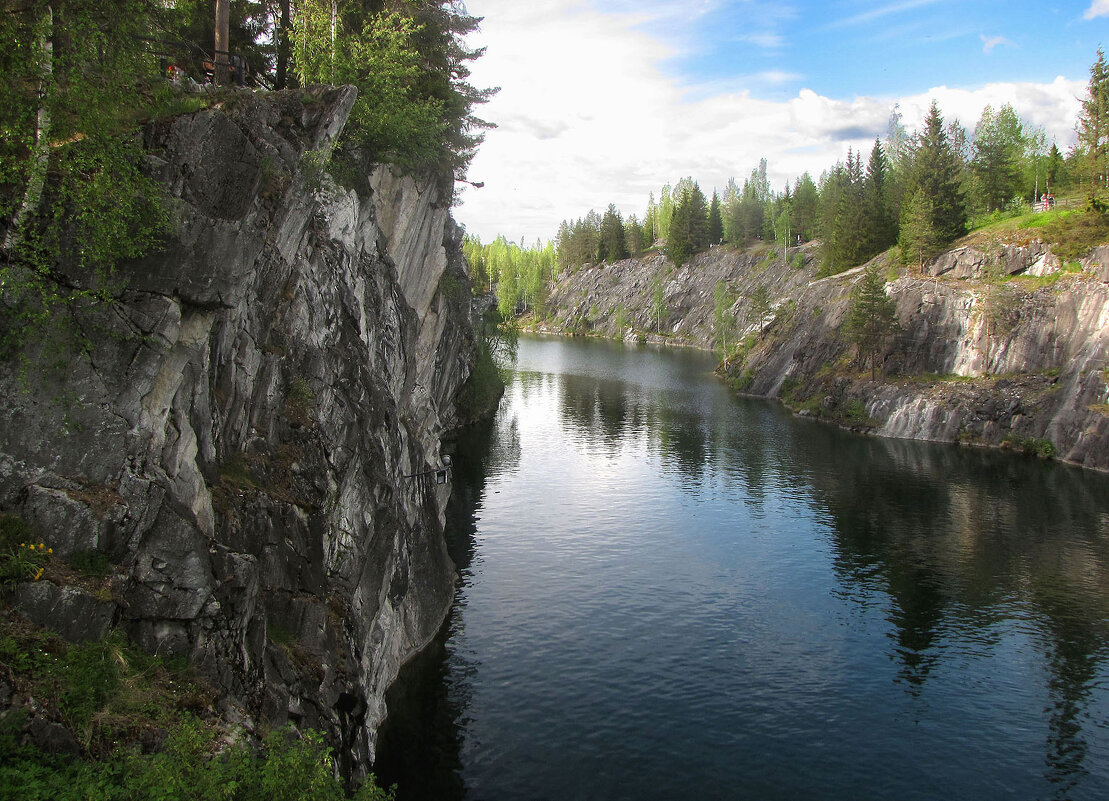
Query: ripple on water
x,y
676,594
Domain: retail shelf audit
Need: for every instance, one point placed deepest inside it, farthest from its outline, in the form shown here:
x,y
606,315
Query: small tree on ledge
x,y
871,318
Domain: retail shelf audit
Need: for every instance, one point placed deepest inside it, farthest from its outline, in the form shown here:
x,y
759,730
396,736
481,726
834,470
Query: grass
x,y
1071,232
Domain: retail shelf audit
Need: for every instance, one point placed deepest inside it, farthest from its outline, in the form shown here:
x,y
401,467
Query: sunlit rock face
x,y
949,375
241,438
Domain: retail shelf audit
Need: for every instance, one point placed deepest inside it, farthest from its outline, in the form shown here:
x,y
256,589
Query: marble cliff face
x,y
240,438
1048,378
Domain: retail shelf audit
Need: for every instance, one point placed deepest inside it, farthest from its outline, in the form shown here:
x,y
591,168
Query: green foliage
x,y
612,244
743,381
1000,145
871,319
71,184
313,166
414,105
115,697
716,221
90,563
1073,234
689,226
919,240
1030,446
620,320
390,117
23,556
191,767
299,401
936,172
1093,131
496,351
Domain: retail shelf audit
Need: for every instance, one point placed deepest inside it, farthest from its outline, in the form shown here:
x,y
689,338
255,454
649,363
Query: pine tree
x,y
871,317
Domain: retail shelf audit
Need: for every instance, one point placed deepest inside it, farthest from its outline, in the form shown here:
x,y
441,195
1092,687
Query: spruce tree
x,y
611,243
936,171
871,317
880,230
918,234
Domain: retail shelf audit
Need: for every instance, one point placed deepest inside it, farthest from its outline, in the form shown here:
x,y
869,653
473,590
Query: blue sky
x,y
898,46
606,100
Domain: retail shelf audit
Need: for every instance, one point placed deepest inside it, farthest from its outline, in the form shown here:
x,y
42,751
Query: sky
x,y
604,101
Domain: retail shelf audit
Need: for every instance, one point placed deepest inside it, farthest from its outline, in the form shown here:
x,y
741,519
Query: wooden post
x,y
223,25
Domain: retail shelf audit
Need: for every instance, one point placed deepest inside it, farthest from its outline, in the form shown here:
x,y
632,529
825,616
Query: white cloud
x,y
587,118
990,42
1098,8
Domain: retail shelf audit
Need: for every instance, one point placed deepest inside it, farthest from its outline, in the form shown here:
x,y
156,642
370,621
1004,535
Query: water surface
x,y
668,592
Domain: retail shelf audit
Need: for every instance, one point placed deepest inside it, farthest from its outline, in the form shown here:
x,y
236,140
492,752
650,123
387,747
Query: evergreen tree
x,y
841,216
730,214
689,227
871,317
936,171
1093,128
612,244
633,236
679,245
918,240
716,221
879,226
1055,169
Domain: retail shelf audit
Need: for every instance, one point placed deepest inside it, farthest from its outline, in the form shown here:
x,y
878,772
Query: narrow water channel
x,y
666,592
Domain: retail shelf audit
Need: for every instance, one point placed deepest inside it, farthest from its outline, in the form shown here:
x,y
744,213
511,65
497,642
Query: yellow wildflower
x,y
31,547
50,550
38,575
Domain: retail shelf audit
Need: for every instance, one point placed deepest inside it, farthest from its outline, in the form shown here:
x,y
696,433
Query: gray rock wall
x,y
239,438
947,376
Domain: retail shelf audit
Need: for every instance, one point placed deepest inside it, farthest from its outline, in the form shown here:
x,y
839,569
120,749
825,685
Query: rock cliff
x,y
1037,374
253,435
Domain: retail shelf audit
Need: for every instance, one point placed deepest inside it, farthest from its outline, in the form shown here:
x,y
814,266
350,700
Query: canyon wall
x,y
253,434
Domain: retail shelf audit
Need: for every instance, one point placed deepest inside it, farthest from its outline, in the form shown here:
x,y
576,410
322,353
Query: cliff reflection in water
x,y
966,563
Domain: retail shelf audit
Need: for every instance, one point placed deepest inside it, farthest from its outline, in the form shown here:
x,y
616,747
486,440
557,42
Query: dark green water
x,y
667,592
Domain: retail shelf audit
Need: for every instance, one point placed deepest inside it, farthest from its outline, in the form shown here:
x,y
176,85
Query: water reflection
x,y
983,574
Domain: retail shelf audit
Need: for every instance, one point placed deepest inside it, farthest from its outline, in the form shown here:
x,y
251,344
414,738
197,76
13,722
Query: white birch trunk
x,y
41,152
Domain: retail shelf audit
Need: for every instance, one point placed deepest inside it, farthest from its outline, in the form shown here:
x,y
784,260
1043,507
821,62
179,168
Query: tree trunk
x,y
222,45
41,153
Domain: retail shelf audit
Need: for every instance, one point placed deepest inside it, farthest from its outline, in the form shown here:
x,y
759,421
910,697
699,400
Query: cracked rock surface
x,y
238,439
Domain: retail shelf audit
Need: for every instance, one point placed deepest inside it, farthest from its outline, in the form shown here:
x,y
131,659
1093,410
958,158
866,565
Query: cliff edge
x,y
252,440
